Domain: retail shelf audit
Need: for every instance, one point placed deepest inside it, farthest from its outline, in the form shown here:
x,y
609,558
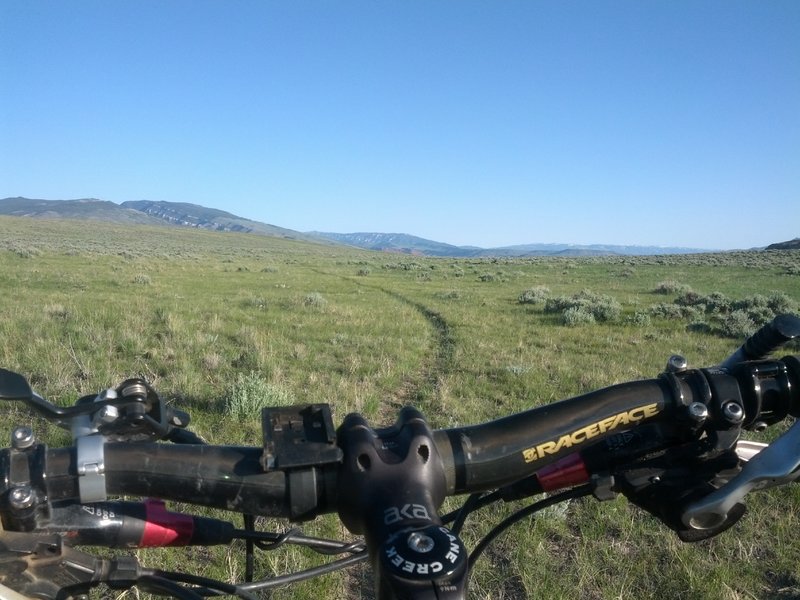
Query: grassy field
x,y
211,317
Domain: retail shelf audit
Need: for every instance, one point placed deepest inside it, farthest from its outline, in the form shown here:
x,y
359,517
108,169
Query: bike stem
x,y
391,485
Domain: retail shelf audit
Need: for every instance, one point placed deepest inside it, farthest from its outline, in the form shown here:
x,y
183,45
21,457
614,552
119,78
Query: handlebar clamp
x,y
391,484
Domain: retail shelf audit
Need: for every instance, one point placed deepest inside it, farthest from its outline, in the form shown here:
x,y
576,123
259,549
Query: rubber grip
x,y
772,336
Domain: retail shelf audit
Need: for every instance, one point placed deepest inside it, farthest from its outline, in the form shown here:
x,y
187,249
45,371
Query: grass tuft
x,y
250,393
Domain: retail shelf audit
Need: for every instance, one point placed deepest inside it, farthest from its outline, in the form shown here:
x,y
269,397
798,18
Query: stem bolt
x,y
733,412
698,411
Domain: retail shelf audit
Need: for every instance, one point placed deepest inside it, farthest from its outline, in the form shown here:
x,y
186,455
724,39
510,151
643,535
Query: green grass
x,y
200,313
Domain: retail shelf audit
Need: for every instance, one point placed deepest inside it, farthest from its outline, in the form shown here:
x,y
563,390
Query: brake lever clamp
x,y
391,484
131,412
777,464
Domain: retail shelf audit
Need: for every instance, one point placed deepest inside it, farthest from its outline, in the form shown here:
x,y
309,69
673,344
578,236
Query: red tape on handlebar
x,y
165,528
567,472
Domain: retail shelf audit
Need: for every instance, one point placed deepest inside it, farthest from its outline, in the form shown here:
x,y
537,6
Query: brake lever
x,y
777,464
43,566
133,411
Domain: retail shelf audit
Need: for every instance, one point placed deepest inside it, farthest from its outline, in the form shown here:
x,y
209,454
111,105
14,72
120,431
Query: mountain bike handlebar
x,y
668,444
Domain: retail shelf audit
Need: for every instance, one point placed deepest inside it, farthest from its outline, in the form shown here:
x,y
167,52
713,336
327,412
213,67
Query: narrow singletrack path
x,y
425,386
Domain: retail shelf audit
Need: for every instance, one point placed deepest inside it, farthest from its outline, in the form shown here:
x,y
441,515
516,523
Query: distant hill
x,y
183,214
193,215
409,244
401,243
145,212
790,245
87,208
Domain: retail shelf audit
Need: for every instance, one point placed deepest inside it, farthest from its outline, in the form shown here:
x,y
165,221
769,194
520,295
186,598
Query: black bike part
x,y
298,436
765,341
767,388
267,540
184,436
666,484
576,492
14,386
578,467
165,587
459,517
494,454
428,563
205,585
224,477
391,485
228,477
249,522
475,458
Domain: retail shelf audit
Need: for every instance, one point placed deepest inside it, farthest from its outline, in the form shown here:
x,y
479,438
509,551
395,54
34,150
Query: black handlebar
x,y
390,483
473,458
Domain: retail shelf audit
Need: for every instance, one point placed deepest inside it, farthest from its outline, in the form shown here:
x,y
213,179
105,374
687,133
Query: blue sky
x,y
672,123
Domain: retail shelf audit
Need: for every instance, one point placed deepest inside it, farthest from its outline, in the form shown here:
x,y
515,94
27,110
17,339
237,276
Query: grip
x,y
773,335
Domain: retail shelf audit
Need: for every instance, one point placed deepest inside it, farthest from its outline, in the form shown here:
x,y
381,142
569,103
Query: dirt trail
x,y
424,387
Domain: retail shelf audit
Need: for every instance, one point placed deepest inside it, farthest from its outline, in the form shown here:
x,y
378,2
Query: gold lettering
x,y
589,432
606,424
580,436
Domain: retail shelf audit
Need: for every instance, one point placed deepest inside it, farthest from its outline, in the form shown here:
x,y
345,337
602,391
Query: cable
x,y
460,516
290,578
483,501
249,560
164,585
532,509
269,541
209,587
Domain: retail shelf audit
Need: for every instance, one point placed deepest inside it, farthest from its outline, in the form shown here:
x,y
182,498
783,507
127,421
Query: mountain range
x,y
409,244
181,214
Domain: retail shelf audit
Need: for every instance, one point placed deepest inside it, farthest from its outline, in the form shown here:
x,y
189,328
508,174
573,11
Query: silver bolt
x,y
733,412
759,426
676,364
22,438
21,497
698,411
421,542
107,414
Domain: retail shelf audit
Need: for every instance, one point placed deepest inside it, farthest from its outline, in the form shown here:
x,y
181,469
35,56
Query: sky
x,y
485,123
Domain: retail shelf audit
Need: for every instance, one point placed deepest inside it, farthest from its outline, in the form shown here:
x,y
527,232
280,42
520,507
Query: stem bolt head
x,y
698,411
733,412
